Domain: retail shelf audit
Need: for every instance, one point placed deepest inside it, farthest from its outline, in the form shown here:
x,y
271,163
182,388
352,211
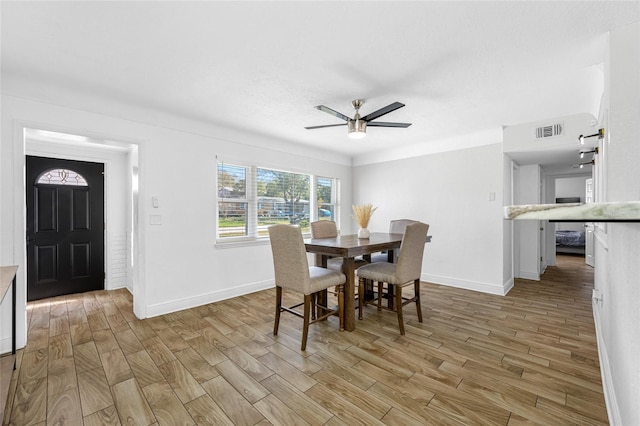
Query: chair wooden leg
x,y
380,284
322,300
399,308
360,297
368,289
314,300
305,327
416,286
341,306
278,310
391,297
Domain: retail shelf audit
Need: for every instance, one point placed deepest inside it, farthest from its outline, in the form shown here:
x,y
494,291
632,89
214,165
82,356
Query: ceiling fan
x,y
358,125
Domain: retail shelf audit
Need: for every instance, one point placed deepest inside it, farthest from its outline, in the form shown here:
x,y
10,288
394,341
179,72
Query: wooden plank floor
x,y
529,357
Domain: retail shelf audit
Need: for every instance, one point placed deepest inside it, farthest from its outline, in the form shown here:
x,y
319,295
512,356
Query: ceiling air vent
x,y
549,131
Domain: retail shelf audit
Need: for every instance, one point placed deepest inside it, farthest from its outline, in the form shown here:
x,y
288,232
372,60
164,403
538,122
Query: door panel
x,y
46,211
46,257
65,228
80,220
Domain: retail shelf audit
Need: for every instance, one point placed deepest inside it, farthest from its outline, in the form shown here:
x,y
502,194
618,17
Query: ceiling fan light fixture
x,y
357,126
357,129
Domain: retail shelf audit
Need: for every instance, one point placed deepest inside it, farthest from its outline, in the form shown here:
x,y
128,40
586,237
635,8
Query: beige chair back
x,y
398,226
411,252
290,262
324,229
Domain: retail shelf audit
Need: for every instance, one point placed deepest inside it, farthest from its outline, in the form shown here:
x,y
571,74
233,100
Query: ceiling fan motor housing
x,y
357,128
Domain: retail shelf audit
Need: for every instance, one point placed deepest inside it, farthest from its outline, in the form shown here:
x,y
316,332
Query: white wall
x,y
449,191
508,235
618,244
521,138
178,263
571,187
529,230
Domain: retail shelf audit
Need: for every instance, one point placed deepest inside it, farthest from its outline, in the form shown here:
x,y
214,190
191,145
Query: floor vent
x,y
549,131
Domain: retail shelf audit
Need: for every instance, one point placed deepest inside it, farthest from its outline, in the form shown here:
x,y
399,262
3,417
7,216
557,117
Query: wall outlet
x,y
596,296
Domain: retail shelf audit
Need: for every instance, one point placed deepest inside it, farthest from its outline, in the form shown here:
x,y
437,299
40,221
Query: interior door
x,y
65,227
589,257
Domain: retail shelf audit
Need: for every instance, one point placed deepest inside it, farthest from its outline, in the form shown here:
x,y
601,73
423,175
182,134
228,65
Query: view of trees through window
x,y
251,199
232,200
325,188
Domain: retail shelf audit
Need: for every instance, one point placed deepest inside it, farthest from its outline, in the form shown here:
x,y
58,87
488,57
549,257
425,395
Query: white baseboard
x,y
467,285
613,411
508,285
203,299
5,345
526,275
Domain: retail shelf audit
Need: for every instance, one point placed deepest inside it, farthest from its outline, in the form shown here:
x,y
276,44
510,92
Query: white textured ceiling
x,y
460,67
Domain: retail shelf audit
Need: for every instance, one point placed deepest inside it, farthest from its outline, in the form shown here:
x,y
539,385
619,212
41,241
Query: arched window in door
x,y
62,177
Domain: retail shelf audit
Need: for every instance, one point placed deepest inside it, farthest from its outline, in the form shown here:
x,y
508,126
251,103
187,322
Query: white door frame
x,y
19,219
589,249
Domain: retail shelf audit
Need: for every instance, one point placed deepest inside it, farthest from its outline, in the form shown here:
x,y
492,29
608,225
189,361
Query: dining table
x,y
349,247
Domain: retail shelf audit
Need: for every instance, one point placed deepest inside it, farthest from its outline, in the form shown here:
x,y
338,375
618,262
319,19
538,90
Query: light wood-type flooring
x,y
527,358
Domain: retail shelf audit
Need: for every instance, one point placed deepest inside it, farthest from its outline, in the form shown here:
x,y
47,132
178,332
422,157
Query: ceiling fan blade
x,y
386,124
332,112
382,111
325,125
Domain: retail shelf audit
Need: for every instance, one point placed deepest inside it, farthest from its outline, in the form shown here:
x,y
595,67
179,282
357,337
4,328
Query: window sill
x,y
248,242
223,245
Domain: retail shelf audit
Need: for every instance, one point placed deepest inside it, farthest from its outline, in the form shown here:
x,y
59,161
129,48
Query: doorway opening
x,y
573,238
118,224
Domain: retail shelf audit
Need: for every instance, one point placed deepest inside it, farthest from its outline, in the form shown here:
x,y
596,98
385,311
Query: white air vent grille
x,y
549,131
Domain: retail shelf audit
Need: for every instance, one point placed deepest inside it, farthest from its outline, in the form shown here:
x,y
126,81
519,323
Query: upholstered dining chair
x,y
292,272
329,229
396,226
405,272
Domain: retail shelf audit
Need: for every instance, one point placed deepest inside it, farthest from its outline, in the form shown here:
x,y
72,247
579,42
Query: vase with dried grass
x,y
363,214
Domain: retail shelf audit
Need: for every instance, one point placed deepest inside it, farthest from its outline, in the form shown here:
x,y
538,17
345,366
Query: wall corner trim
x,y
613,411
489,288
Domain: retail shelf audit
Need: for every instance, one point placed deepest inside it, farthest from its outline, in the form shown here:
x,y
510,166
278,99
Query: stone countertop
x,y
591,212
7,273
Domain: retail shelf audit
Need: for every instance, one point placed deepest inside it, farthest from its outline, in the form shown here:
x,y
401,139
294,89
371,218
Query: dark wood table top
x,y
351,245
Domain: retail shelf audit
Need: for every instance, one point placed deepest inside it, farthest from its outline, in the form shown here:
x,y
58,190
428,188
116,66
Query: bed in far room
x,y
570,240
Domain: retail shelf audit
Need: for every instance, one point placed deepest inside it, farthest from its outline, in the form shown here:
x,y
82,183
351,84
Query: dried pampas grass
x,y
363,214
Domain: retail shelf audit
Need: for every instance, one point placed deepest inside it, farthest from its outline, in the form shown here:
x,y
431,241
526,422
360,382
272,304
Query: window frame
x,y
78,180
251,198
334,202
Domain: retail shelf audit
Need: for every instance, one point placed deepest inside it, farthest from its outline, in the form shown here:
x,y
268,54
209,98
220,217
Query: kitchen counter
x,y
575,212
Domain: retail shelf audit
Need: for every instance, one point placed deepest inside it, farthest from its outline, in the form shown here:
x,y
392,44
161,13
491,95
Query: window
x,y
232,201
325,196
250,199
282,196
62,177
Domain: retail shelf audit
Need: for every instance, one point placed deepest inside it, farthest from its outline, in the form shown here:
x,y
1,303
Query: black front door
x,y
65,227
